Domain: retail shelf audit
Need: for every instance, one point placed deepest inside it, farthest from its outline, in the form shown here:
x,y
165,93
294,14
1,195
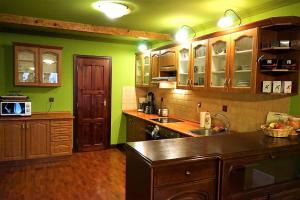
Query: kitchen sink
x,y
166,120
207,132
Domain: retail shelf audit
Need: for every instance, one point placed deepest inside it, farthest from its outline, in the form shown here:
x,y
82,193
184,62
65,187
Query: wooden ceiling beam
x,y
80,27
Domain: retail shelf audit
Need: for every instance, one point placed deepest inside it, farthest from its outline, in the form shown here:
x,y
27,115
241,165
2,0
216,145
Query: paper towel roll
x,y
202,119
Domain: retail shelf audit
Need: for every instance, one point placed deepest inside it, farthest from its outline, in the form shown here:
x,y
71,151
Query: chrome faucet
x,y
223,118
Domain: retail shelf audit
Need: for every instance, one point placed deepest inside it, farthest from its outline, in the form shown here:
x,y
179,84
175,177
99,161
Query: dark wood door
x,y
93,86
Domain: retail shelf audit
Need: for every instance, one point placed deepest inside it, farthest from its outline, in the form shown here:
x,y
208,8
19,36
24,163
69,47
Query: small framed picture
x,y
287,87
277,87
267,87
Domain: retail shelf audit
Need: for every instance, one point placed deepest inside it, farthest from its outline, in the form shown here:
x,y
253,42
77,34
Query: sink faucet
x,y
223,118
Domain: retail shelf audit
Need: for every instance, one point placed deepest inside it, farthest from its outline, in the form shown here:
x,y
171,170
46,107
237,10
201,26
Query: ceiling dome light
x,y
228,19
112,10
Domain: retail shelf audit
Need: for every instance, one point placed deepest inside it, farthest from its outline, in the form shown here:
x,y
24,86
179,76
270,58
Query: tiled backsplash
x,y
130,96
245,111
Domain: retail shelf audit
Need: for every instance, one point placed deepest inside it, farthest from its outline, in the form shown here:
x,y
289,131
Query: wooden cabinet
x,y
179,180
136,129
37,139
199,64
142,70
154,63
262,176
243,56
218,63
184,67
232,63
61,137
37,65
280,56
12,140
199,190
167,59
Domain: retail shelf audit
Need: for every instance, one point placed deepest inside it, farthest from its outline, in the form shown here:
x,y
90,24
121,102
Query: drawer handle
x,y
188,172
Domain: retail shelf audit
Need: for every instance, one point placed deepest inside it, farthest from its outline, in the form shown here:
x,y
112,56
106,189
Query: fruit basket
x,y
282,132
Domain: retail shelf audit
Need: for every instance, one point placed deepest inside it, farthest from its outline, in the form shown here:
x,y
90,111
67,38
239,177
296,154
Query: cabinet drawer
x,y
60,123
64,137
61,148
193,190
185,172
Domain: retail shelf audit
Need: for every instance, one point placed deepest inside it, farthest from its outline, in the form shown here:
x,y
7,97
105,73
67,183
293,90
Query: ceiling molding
x,y
80,27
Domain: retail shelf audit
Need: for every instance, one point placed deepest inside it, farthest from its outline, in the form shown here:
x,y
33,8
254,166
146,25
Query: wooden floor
x,y
85,176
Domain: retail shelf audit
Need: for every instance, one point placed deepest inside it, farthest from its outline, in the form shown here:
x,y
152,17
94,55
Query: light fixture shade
x,y
183,34
112,10
228,19
225,22
142,47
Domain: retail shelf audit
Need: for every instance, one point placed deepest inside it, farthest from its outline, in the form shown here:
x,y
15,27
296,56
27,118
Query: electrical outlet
x,y
51,99
224,108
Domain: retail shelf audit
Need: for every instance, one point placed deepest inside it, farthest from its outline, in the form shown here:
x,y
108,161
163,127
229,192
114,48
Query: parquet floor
x,y
85,176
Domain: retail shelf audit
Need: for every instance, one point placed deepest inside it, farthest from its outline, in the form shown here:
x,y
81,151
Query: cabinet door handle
x,y
229,81
187,172
272,156
225,82
27,126
23,126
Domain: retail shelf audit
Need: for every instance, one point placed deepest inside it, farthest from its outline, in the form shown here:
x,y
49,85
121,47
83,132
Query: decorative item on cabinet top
x,y
37,65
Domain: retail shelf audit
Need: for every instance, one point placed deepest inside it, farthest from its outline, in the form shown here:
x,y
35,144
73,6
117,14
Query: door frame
x,y
75,99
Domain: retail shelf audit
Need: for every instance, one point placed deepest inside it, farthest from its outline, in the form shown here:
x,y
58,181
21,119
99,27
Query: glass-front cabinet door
x,y
183,70
138,70
199,64
247,176
218,62
49,62
243,66
26,62
146,71
37,65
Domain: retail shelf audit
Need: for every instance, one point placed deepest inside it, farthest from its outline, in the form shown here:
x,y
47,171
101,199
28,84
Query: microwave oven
x,y
16,108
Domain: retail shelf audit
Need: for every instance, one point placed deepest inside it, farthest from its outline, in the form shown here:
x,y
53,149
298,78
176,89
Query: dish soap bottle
x,y
207,121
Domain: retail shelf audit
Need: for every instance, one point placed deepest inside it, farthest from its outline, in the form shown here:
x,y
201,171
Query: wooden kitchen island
x,y
235,166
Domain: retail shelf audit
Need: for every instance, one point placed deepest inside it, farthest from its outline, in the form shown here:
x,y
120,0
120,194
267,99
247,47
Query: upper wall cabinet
x,y
37,65
142,69
233,62
199,63
219,62
183,71
243,61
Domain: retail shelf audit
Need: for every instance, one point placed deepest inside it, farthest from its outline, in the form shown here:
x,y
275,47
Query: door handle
x,y
104,102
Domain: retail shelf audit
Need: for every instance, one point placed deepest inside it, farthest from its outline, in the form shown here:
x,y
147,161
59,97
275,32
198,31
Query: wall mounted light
x,y
228,19
112,9
183,34
143,47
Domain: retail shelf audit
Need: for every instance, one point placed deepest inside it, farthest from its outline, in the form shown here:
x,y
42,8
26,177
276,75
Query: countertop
x,y
221,146
181,127
38,116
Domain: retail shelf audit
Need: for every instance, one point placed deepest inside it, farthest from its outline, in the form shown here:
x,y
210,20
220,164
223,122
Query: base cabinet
x,y
12,140
200,190
135,129
35,138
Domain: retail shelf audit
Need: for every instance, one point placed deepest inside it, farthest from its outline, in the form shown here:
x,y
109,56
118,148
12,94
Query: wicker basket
x,y
277,132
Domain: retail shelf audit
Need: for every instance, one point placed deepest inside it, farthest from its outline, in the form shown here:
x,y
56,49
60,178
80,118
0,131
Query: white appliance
x,y
15,108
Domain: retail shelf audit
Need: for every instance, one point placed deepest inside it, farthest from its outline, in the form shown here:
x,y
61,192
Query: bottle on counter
x,y
207,121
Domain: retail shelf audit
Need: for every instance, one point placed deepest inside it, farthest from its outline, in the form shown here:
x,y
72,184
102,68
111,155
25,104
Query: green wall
x,y
122,74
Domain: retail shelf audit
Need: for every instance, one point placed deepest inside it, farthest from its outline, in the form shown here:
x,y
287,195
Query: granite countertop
x,y
221,146
183,127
